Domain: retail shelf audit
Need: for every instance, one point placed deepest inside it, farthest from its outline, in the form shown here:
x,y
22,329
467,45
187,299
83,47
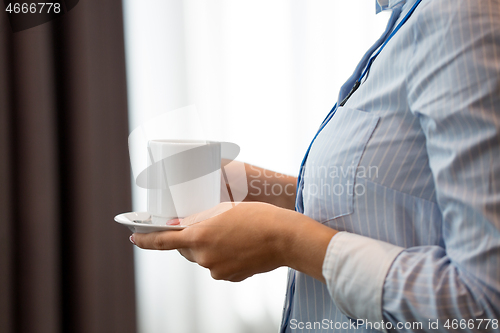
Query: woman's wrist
x,y
303,243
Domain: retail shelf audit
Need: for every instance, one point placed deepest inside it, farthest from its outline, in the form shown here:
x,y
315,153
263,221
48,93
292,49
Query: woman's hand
x,y
248,239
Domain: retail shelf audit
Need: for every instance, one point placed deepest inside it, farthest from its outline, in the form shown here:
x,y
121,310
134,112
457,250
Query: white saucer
x,y
127,219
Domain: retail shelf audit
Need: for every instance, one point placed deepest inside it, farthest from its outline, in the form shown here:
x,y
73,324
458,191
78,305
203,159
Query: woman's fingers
x,y
209,213
163,240
187,253
174,222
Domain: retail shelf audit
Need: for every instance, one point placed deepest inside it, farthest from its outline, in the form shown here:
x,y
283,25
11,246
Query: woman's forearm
x,y
256,184
270,187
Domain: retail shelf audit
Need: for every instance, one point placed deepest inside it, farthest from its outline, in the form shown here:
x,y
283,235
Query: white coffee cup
x,y
184,178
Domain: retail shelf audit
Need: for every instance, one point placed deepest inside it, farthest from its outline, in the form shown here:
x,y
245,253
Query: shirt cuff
x,y
355,268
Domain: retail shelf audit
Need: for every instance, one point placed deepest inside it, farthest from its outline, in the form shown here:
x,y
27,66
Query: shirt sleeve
x,y
453,85
354,269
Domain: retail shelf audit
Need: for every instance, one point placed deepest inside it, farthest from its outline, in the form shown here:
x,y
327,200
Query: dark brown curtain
x,y
65,265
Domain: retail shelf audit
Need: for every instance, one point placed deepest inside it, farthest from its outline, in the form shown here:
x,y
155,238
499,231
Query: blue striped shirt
x,y
409,172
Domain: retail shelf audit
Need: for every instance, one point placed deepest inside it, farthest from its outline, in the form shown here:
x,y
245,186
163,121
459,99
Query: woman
x,y
397,226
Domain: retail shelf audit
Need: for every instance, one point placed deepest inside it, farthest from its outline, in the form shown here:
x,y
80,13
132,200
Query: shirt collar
x,y
382,5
